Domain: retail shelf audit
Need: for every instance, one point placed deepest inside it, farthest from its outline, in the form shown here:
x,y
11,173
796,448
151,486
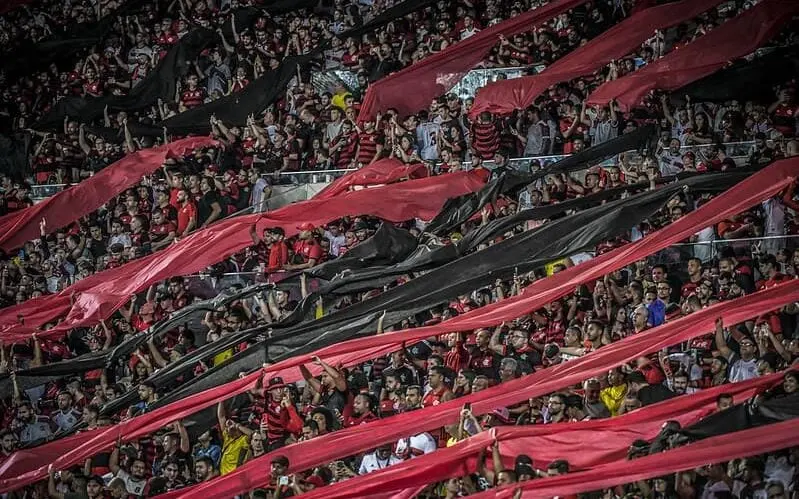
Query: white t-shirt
x,y
742,370
371,462
134,486
417,445
66,420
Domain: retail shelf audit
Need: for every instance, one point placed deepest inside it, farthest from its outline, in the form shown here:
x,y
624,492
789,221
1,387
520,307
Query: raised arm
x,y
721,343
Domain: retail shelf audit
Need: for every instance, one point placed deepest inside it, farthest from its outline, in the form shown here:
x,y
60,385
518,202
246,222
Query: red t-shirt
x,y
278,256
186,213
308,249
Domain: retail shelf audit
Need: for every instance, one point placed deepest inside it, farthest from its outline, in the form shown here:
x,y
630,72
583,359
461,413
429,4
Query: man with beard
x,y
359,411
134,478
705,292
439,389
678,383
307,251
517,347
556,409
743,365
8,444
171,473
204,469
382,457
235,441
592,404
176,448
67,415
177,296
30,427
392,395
331,385
484,360
361,230
147,397
422,443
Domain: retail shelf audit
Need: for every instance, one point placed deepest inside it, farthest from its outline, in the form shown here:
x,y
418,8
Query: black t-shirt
x,y
653,394
334,400
405,374
204,207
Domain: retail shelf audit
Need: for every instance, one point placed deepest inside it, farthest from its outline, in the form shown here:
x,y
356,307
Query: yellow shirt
x,y
221,357
613,397
338,100
550,267
234,451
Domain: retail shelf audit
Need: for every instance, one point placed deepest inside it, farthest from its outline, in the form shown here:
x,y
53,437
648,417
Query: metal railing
x,y
713,249
738,151
42,191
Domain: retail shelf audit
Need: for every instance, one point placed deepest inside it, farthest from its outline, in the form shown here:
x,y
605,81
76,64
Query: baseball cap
x,y
306,226
315,480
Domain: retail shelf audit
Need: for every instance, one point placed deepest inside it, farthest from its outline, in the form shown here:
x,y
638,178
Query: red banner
x,y
599,442
68,206
361,438
751,191
412,89
98,296
505,96
760,440
709,53
384,171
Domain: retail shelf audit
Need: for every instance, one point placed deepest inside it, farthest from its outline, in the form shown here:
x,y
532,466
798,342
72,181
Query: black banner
x,y
745,80
160,83
458,210
234,109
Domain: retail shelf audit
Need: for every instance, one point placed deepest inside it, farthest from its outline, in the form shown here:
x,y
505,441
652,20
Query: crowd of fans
x,y
312,130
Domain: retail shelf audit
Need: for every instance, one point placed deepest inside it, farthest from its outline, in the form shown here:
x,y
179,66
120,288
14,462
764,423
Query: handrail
x,y
327,175
738,240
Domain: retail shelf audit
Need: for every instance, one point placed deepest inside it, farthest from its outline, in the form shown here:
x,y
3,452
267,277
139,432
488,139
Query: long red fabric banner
x,y
68,206
756,188
759,440
412,89
98,296
598,442
384,171
505,96
361,438
709,53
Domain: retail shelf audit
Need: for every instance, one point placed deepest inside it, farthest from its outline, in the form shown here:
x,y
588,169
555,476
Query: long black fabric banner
x,y
160,83
234,109
458,210
454,275
264,91
59,49
775,407
522,253
746,80
14,155
391,14
388,245
30,378
299,334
